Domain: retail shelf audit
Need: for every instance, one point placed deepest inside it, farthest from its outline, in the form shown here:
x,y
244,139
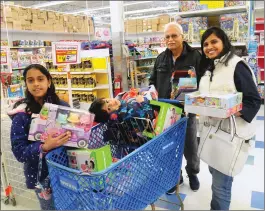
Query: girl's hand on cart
x,y
54,142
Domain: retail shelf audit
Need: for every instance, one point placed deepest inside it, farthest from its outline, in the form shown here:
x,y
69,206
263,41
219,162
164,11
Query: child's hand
x,y
58,141
139,98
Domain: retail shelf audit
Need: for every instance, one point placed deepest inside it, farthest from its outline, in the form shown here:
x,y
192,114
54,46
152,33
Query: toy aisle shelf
x,y
80,73
41,32
98,87
213,12
99,82
35,47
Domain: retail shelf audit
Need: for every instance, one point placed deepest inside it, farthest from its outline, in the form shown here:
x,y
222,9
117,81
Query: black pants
x,y
191,146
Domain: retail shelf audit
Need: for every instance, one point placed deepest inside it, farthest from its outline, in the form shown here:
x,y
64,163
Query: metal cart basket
x,y
132,183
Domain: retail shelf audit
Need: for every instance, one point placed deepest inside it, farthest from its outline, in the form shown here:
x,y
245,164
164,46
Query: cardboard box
x,y
38,21
132,22
154,27
155,21
9,25
161,27
17,25
139,29
131,29
8,12
15,15
139,22
164,19
51,15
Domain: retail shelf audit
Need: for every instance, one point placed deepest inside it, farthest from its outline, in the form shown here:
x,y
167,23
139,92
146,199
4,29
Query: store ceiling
x,y
73,6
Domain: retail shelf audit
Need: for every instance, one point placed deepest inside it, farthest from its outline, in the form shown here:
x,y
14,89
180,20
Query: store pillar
x,y
117,29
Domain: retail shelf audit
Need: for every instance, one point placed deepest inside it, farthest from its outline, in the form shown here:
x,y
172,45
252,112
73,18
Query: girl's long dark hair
x,y
208,64
50,97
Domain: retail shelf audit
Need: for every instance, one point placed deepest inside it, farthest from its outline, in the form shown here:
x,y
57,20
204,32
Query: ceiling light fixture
x,y
106,7
48,4
142,11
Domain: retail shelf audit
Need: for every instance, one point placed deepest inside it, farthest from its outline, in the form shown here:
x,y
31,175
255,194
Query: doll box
x,y
90,160
221,106
167,115
225,101
213,112
55,120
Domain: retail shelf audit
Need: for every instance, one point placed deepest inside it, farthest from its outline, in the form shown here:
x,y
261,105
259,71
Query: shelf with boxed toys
x,y
214,105
89,80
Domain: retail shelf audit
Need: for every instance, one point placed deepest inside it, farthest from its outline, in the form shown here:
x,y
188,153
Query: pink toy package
x,y
55,120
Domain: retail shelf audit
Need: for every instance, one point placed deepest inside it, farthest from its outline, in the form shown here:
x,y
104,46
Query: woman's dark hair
x,y
101,116
208,64
50,97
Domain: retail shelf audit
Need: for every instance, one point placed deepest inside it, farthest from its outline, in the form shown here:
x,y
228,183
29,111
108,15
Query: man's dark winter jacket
x,y
164,67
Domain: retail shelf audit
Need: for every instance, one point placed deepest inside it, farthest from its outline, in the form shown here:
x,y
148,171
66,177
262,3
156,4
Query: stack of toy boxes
x,y
193,28
235,26
214,105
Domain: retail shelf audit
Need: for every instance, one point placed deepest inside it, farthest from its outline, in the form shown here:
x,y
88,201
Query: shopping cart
x,y
9,195
134,182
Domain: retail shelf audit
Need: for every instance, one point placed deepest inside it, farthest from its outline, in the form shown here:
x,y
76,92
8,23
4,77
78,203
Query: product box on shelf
x,y
185,6
214,105
86,64
55,120
229,3
235,25
90,160
164,19
193,28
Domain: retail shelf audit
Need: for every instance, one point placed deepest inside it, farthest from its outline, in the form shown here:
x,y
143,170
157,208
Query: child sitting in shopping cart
x,y
134,103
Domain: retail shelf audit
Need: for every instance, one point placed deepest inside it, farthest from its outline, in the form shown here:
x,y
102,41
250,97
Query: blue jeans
x,y
221,190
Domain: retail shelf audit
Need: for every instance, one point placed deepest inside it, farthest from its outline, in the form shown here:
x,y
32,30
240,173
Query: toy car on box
x,y
55,120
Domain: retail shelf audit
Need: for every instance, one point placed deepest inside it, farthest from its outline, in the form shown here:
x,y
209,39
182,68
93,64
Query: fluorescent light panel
x,y
108,7
48,4
142,11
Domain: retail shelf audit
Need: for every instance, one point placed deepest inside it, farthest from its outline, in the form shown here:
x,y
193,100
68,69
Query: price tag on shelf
x,y
4,55
66,53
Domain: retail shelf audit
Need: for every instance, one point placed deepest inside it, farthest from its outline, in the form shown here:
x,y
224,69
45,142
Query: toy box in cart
x,y
214,105
54,119
90,160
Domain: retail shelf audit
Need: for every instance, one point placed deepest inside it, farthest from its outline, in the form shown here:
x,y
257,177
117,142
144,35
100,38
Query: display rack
x,y
103,86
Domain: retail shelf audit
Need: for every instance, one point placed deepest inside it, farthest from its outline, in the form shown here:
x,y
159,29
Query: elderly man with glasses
x,y
179,58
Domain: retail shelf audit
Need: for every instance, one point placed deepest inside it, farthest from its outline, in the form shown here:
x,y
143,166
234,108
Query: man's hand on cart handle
x,y
58,141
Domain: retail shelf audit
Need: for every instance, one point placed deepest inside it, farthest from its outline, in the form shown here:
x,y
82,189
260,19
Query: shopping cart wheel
x,y
6,201
13,201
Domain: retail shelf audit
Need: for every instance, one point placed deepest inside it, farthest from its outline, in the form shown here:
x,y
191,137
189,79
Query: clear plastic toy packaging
x,y
54,119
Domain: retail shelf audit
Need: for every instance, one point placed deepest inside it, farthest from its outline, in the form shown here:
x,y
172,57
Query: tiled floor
x,y
248,186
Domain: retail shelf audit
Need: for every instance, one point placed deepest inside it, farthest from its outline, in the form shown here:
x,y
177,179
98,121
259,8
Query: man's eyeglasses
x,y
173,36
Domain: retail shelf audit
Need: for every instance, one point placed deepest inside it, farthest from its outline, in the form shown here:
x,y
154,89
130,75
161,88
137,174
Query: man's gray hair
x,y
174,24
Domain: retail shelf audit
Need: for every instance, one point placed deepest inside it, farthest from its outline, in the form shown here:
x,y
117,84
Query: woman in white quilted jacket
x,y
221,71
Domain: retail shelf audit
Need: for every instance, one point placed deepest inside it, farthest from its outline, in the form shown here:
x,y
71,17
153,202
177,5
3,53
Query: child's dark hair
x,y
207,63
51,97
101,116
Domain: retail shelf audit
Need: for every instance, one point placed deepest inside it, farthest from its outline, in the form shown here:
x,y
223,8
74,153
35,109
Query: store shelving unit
x,y
42,32
103,86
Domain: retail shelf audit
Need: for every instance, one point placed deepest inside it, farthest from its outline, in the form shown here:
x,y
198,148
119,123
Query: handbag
x,y
223,150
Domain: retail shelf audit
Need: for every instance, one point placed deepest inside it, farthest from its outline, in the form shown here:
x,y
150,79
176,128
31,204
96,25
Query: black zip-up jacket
x,y
164,67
